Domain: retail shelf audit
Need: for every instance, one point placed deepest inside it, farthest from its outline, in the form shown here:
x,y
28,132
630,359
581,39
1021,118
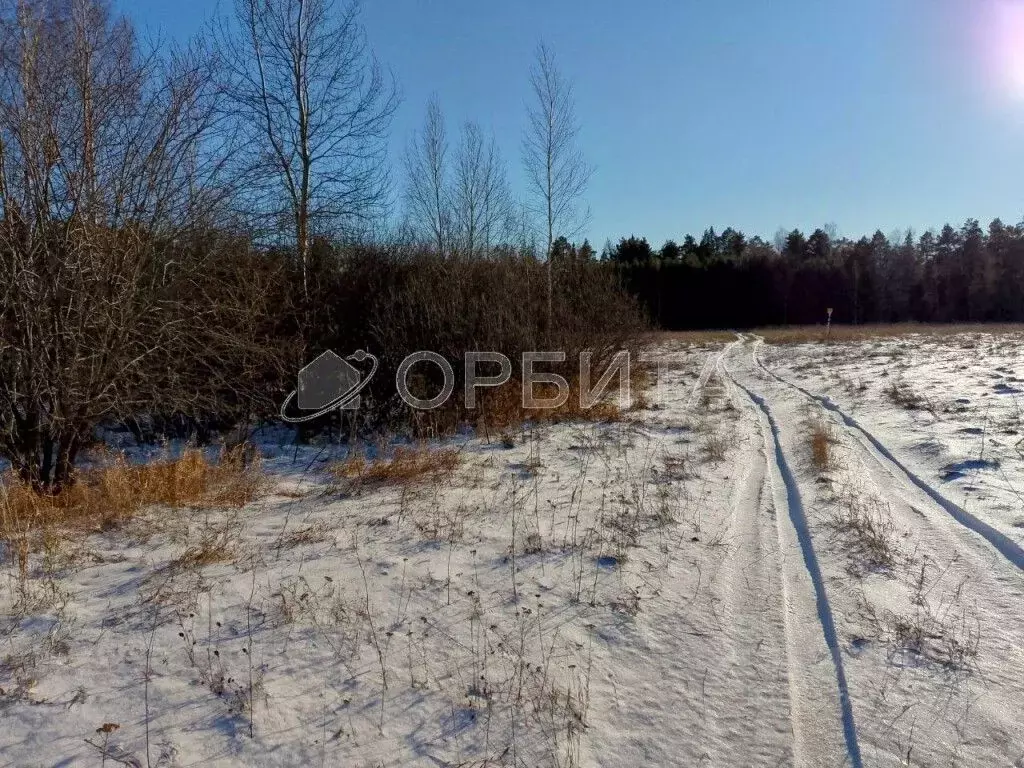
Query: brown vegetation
x,y
114,493
136,277
822,439
395,302
692,337
122,291
865,525
404,466
801,334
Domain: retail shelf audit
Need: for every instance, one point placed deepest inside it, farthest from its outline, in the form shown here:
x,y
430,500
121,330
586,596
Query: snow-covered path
x,y
739,663
1006,546
821,689
929,639
706,677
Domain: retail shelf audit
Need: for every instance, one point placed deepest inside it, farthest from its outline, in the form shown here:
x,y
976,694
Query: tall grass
x,y
405,465
118,490
822,439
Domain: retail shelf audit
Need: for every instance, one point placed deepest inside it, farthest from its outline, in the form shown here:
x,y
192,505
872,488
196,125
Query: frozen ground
x,y
692,586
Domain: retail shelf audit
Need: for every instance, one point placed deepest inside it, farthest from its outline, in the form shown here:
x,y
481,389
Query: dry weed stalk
x,y
823,437
942,631
865,525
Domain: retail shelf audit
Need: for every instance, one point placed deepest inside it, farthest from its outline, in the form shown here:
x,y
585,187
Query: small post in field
x,y
828,325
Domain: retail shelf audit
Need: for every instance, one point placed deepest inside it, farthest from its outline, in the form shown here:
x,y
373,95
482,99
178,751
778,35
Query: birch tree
x,y
481,201
426,191
556,171
312,108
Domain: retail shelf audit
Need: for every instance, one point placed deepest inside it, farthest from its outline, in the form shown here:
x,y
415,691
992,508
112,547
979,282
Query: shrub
x,y
394,301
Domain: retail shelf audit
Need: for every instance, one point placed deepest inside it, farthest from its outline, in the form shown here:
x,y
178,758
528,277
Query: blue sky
x,y
756,114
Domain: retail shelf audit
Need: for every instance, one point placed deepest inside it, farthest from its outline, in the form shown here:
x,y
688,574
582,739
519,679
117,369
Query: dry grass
x,y
676,467
853,333
111,494
693,337
865,525
905,396
406,465
715,447
214,547
822,439
939,628
502,407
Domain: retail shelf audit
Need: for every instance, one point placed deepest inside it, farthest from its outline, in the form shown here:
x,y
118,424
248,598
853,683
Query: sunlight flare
x,y
1004,46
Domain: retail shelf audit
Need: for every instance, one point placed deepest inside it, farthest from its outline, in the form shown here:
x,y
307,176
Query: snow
x,y
683,587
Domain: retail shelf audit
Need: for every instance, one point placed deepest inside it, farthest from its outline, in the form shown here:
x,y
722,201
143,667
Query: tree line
x,y
727,280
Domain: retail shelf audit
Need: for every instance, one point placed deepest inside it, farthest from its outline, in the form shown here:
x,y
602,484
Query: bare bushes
x,y
180,334
394,302
120,291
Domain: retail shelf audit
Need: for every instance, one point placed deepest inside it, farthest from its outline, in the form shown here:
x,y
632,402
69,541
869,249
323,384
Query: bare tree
x,y
779,239
314,108
426,191
104,187
481,201
556,171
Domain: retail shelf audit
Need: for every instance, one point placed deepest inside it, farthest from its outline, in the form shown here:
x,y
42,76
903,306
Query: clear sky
x,y
756,114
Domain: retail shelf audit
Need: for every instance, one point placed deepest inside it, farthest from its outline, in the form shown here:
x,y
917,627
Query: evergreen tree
x,y
670,251
585,252
795,247
633,250
819,245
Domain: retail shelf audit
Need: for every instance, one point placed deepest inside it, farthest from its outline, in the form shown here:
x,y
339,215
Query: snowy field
x,y
802,554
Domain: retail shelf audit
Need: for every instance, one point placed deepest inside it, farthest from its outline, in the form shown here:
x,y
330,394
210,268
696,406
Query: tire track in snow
x,y
1006,546
753,596
712,363
790,500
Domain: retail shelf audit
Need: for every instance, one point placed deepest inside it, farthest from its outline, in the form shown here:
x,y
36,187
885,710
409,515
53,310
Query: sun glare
x,y
1005,43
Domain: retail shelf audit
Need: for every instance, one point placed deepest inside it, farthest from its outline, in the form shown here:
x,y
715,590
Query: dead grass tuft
x,y
715,447
903,395
822,439
938,628
213,548
866,527
405,466
112,494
